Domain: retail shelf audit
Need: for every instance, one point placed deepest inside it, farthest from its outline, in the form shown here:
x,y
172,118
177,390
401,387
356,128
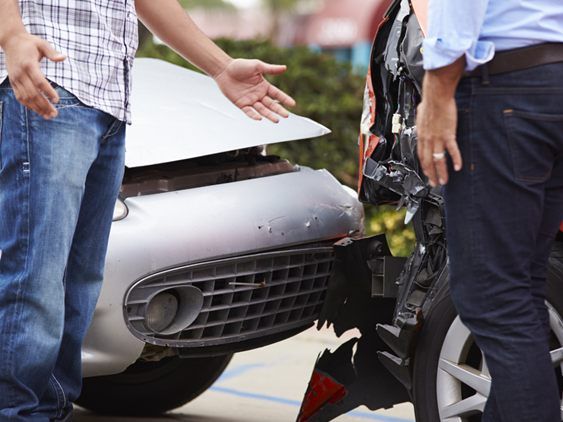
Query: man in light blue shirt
x,y
476,29
490,129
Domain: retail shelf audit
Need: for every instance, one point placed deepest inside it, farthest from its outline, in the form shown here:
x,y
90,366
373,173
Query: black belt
x,y
521,59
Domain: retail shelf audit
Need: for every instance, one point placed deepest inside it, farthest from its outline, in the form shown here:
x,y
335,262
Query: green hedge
x,y
326,91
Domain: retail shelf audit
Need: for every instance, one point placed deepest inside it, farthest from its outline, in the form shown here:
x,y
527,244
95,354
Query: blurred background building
x,y
344,28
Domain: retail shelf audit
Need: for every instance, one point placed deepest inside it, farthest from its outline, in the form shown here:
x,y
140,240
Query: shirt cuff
x,y
439,53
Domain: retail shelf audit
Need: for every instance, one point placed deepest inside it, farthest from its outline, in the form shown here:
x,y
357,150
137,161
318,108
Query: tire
x,y
444,336
152,388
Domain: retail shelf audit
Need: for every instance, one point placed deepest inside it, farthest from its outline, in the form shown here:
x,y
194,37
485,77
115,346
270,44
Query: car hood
x,y
180,114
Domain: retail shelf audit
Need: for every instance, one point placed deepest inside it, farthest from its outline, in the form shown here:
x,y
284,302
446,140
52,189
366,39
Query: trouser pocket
x,y
0,135
533,141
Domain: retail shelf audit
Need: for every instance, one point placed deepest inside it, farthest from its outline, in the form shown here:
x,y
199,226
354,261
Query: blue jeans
x,y
503,212
59,181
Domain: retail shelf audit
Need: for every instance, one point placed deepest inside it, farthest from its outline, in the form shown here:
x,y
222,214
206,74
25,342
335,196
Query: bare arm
x,y
437,122
240,80
23,54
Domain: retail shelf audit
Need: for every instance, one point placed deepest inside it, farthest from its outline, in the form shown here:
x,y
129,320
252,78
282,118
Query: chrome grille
x,y
244,297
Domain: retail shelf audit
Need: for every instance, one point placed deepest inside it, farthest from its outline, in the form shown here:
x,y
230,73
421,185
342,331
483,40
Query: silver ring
x,y
439,156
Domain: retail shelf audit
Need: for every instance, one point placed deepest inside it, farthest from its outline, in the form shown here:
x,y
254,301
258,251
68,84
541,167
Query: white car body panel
x,y
180,114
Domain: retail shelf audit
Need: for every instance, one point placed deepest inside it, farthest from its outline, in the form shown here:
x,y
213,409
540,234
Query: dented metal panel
x,y
172,229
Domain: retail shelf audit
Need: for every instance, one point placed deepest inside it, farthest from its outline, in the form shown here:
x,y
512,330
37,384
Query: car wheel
x,y
152,388
451,381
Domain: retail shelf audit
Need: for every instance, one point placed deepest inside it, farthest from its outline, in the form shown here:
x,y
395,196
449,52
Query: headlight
x,y
120,211
161,311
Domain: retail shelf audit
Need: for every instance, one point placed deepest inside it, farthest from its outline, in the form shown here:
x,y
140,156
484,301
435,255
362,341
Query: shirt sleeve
x,y
454,27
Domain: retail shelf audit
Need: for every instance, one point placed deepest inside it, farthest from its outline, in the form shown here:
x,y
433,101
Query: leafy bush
x,y
327,91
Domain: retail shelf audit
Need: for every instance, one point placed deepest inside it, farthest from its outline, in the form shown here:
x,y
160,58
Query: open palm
x,y
244,84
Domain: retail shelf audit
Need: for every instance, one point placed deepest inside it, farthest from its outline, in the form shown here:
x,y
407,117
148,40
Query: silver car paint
x,y
175,228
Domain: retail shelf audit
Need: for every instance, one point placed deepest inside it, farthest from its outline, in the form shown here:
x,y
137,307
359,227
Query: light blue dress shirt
x,y
478,28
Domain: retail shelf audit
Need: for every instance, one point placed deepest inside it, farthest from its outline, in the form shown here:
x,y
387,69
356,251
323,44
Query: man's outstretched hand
x,y
23,54
242,81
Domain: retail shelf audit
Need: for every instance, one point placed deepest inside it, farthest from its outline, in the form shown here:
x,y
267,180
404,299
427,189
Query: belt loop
x,y
485,80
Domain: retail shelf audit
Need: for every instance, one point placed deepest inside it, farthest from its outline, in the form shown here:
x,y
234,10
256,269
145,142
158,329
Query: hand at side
x,y
23,54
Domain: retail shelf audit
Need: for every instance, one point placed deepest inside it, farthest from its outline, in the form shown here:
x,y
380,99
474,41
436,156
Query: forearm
x,y
170,22
11,20
440,84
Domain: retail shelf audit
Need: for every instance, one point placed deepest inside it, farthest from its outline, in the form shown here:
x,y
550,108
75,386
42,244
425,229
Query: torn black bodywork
x,y
386,298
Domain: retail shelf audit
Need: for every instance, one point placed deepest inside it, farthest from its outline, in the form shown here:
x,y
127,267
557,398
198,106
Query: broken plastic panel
x,y
386,300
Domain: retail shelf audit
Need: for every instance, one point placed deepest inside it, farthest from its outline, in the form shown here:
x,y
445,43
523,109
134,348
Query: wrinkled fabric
x,y
478,28
99,39
502,213
59,181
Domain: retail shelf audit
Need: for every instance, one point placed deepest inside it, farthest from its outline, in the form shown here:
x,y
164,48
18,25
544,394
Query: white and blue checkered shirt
x,y
99,39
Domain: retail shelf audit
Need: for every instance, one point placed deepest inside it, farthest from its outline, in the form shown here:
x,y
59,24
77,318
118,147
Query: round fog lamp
x,y
120,210
161,311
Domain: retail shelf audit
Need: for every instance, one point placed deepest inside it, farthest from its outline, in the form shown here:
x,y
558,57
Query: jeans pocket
x,y
1,108
66,98
532,139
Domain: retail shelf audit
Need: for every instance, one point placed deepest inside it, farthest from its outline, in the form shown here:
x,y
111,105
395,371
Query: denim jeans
x,y
59,180
503,212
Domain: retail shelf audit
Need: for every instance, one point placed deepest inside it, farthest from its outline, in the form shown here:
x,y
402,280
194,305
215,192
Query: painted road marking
x,y
295,403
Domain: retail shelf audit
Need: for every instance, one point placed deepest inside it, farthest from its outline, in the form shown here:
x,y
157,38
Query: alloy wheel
x,y
463,380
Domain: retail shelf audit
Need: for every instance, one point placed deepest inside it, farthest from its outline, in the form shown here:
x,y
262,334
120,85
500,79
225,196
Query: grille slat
x,y
292,287
238,305
212,278
236,320
290,280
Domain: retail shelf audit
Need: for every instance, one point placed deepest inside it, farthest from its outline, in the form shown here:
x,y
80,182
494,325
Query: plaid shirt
x,y
99,38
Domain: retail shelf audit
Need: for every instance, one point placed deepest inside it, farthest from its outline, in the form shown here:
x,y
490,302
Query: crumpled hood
x,y
180,114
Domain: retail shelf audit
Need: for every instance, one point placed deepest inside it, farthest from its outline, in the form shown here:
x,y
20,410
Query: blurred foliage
x,y
208,4
280,5
327,91
386,219
277,8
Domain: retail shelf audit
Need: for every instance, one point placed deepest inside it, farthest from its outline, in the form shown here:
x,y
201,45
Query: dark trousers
x,y
503,212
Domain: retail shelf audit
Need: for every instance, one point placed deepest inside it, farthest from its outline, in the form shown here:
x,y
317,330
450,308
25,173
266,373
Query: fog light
x,y
120,210
161,311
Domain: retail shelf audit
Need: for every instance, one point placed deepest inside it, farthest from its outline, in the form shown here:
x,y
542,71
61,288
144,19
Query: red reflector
x,y
322,389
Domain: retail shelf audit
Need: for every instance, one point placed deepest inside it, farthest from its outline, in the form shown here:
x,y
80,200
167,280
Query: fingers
x,y
434,160
266,112
427,163
50,53
252,113
30,96
44,86
271,69
441,167
275,106
455,154
278,95
270,109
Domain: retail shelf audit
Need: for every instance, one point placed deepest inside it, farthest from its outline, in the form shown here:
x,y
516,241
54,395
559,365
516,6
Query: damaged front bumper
x,y
386,298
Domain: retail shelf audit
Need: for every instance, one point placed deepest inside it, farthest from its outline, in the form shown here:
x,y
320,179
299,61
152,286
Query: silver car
x,y
216,247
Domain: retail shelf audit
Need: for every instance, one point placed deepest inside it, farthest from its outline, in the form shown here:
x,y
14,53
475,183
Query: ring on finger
x,y
439,156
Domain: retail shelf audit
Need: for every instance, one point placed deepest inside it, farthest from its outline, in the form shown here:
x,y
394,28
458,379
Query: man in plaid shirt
x,y
65,71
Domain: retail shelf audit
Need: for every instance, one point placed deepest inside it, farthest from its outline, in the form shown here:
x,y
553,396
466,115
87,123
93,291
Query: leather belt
x,y
521,59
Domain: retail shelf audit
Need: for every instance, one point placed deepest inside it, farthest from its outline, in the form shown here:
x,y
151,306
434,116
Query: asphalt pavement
x,y
264,385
